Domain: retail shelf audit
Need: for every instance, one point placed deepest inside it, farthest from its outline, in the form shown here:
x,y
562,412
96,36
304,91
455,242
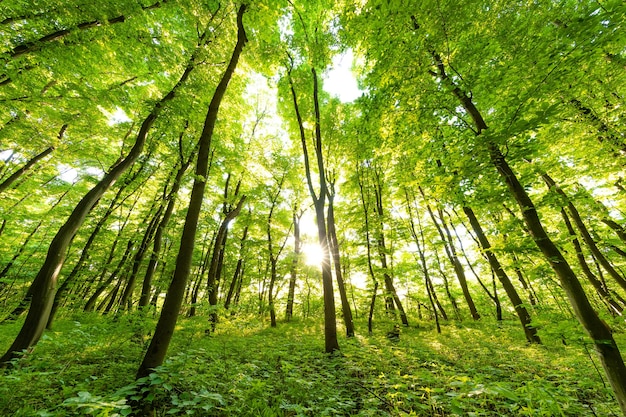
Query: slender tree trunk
x,y
584,232
331,343
370,266
524,317
454,259
238,270
114,275
392,294
17,254
614,307
333,244
420,243
215,267
599,332
169,314
617,228
125,299
4,185
293,274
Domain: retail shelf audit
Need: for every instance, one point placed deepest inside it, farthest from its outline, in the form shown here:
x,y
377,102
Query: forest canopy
x,y
195,161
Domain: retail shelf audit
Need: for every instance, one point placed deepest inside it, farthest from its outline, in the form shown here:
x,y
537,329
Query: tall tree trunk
x,y
293,273
584,232
169,314
125,299
215,267
420,243
333,244
114,275
28,165
524,317
448,245
238,270
331,343
146,286
614,307
599,332
392,294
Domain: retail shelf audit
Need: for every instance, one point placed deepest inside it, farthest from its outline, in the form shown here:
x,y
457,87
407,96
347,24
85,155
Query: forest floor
x,y
86,366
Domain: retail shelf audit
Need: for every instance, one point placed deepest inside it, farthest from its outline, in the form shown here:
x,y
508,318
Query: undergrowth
x,y
87,367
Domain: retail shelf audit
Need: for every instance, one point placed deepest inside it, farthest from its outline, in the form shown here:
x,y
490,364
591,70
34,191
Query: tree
x,y
169,314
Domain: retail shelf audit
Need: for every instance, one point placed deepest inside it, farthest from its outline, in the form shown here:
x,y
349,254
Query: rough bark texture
x,y
169,314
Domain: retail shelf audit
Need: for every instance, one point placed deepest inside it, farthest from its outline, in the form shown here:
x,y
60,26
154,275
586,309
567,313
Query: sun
x,y
313,254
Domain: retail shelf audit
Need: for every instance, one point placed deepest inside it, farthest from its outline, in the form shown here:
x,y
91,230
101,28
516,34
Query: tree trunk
x,y
391,293
146,287
114,275
584,232
603,292
333,244
293,274
524,317
420,243
169,314
125,299
454,260
28,165
331,343
370,266
215,267
238,270
601,335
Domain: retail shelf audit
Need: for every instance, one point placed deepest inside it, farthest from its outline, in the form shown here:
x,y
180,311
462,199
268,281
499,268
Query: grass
x,y
87,367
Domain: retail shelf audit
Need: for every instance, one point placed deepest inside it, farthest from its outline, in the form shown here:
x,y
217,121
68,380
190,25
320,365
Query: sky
x,y
340,81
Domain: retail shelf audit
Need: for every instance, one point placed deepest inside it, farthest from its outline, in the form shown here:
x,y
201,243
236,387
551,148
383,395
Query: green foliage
x,y
246,369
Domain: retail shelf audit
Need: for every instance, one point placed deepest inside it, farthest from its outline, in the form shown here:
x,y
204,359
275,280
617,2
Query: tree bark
x,y
169,314
454,260
293,274
4,185
599,332
333,244
331,343
524,317
584,232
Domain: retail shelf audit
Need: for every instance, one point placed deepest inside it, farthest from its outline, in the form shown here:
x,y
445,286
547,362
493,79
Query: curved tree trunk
x,y
44,285
599,332
169,314
28,165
